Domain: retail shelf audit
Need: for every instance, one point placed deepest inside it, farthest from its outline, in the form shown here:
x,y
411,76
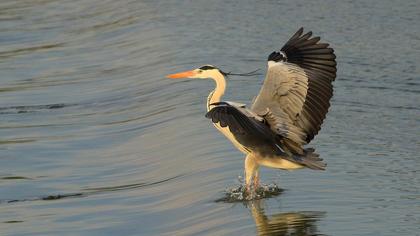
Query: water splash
x,y
239,193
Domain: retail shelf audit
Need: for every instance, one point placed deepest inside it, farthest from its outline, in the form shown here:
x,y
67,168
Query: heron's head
x,y
204,72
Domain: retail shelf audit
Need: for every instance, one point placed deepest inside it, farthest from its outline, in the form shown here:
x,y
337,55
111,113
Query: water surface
x,y
95,141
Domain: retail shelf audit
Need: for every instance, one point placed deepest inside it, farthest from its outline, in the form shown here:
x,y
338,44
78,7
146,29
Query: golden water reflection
x,y
285,223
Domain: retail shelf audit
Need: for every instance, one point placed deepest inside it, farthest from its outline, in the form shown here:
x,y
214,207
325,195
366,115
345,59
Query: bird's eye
x,y
199,71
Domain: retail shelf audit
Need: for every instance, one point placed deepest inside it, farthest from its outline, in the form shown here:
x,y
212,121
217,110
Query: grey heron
x,y
285,115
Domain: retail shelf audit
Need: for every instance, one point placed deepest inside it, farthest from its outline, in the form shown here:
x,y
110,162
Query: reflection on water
x,y
285,224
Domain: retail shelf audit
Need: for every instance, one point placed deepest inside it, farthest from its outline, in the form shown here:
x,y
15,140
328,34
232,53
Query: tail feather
x,y
311,159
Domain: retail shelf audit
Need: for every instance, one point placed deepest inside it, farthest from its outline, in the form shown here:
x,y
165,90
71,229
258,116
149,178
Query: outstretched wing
x,y
240,124
299,83
257,132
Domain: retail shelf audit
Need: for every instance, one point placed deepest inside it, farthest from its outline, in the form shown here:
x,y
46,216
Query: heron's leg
x,y
251,167
256,180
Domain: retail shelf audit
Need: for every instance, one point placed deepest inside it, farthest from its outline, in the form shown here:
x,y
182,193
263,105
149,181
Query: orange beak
x,y
185,74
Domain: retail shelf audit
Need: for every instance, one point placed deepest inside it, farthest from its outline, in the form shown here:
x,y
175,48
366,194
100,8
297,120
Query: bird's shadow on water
x,y
299,223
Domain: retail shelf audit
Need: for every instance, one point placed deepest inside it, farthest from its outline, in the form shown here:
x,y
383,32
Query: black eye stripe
x,y
207,68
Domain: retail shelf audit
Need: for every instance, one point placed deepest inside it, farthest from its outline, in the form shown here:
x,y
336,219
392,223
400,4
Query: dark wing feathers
x,y
237,122
252,131
305,79
294,37
318,62
265,136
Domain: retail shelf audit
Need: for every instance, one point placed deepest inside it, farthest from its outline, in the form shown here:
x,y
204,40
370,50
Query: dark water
x,y
95,141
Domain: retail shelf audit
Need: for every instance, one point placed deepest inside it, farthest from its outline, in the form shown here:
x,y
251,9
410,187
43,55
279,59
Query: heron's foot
x,y
250,192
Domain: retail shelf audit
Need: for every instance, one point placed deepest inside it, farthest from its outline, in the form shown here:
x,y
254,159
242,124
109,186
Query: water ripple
x,y
96,141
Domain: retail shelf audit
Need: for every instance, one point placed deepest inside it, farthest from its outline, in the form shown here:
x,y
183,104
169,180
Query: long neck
x,y
217,93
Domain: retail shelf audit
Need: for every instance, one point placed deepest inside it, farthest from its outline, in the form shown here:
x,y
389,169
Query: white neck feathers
x,y
217,93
